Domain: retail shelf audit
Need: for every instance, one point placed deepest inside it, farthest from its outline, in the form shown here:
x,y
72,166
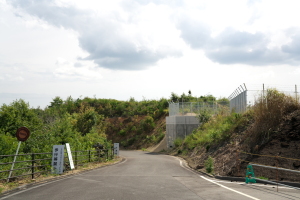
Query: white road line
x,y
256,184
71,176
223,186
246,195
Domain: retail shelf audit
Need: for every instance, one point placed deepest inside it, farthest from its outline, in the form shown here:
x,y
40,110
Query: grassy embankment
x,y
248,132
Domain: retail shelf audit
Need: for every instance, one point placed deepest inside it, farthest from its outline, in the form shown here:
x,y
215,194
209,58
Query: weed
x,y
178,142
261,177
209,165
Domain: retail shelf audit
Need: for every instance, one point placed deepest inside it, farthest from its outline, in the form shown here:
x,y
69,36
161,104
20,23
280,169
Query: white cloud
x,y
118,49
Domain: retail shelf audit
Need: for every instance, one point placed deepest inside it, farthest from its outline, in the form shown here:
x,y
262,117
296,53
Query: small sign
x,y
22,134
116,149
58,159
70,156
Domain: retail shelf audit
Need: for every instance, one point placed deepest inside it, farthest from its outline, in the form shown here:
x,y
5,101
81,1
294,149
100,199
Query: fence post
x,y
32,166
99,157
277,171
76,163
89,155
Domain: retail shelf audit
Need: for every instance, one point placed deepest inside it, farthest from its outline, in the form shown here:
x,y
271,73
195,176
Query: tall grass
x,y
268,112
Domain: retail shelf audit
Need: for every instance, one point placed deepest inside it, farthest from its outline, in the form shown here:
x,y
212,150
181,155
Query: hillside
x,y
267,134
136,132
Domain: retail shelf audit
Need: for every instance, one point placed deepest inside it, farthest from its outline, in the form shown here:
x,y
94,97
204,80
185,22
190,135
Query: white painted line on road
x,y
15,193
60,179
246,195
223,186
256,184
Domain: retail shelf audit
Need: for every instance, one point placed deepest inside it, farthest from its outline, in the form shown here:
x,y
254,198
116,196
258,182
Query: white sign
x,y
116,149
70,156
58,159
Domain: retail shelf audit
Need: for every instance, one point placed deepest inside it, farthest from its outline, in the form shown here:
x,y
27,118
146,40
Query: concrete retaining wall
x,y
179,127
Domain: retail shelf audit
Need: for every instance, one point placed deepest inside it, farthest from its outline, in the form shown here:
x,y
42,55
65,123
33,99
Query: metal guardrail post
x,y
76,162
32,166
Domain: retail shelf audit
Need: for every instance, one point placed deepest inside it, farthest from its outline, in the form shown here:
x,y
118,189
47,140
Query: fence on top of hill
x,y
244,96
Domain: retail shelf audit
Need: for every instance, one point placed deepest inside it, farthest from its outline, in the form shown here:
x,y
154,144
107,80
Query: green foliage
x,y
148,123
16,115
86,119
217,129
122,132
209,165
178,142
62,122
204,116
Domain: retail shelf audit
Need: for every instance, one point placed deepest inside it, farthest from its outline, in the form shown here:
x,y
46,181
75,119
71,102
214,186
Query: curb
x,y
240,179
64,176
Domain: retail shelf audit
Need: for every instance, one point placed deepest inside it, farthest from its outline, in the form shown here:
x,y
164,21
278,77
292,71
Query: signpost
x,y
70,156
58,159
22,135
116,149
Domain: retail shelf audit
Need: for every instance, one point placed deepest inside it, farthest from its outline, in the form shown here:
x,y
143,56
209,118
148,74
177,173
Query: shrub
x,y
122,132
178,142
209,164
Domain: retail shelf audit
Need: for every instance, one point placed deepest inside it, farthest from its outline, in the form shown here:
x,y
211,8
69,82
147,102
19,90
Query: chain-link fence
x,y
245,96
195,108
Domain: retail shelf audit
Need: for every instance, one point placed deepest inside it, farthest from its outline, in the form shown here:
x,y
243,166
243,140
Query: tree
x,y
16,115
174,97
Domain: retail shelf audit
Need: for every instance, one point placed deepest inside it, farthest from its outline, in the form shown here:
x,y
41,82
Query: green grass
x,y
219,128
209,165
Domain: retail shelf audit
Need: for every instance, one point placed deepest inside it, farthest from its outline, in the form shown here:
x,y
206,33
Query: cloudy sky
x,y
145,49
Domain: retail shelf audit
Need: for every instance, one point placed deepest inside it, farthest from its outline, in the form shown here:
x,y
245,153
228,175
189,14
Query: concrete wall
x,y
179,127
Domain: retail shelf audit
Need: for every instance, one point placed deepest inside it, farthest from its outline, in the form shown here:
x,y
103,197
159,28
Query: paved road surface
x,y
148,176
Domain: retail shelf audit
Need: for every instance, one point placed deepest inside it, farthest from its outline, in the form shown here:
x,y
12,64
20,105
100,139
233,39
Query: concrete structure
x,y
179,127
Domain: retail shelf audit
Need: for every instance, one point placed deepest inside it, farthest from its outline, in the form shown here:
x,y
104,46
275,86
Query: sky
x,y
145,49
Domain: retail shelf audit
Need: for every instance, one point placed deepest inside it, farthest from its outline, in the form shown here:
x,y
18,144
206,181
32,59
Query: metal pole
x,y
13,164
263,92
32,166
277,171
296,93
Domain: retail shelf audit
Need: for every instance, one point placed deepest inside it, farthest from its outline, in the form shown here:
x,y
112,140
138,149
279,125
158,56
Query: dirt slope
x,y
134,133
285,143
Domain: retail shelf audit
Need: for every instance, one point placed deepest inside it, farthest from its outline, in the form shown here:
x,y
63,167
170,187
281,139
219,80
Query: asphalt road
x,y
146,176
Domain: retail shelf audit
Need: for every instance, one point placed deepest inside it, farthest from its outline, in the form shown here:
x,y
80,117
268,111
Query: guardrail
x,y
276,167
40,163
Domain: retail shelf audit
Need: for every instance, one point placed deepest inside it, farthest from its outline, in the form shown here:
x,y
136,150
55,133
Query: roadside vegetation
x,y
231,131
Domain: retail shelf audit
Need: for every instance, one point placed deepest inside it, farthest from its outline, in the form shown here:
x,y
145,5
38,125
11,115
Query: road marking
x,y
257,184
223,186
246,195
53,181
